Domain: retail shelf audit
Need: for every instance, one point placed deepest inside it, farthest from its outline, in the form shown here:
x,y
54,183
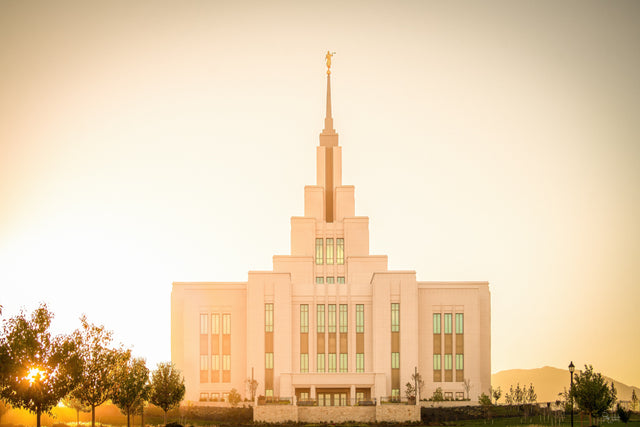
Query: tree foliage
x,y
437,396
624,414
99,363
234,397
413,387
77,405
495,393
591,392
130,388
252,386
40,368
167,387
484,400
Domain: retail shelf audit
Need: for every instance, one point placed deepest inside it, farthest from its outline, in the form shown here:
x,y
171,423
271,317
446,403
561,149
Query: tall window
x,y
343,318
395,317
304,318
320,364
329,251
268,317
459,323
321,319
447,323
332,318
268,360
448,362
339,251
332,362
437,362
226,323
360,362
395,360
459,362
318,251
437,323
215,324
304,362
344,362
203,323
359,318
215,362
203,362
226,362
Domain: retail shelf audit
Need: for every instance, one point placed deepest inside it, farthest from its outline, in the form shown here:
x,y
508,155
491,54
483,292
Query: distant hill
x,y
548,382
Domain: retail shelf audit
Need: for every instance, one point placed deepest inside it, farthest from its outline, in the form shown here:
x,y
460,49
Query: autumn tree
x,y
40,368
99,362
130,388
592,394
167,387
77,405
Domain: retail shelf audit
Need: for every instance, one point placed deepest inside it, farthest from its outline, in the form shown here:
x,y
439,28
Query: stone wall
x,y
336,414
397,413
275,413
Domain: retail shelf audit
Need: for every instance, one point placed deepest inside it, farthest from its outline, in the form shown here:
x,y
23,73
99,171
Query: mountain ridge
x,y
548,381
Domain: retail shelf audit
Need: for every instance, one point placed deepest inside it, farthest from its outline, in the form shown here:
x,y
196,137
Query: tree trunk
x,y
142,416
38,413
165,417
77,417
93,416
128,419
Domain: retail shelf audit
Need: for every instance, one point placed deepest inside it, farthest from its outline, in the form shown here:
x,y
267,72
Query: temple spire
x,y
328,120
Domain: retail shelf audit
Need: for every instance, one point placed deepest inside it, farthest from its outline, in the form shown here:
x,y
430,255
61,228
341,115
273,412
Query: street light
x,y
571,369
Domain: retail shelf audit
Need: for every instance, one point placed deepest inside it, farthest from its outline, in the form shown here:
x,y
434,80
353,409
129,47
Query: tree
x,y
592,394
99,363
40,369
495,393
130,388
467,386
4,408
77,405
624,414
234,397
167,387
484,400
437,396
634,399
252,386
412,389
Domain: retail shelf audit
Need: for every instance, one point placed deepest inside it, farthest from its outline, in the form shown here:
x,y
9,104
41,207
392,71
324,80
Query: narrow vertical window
x,y
268,360
339,251
459,362
343,318
437,323
226,362
330,280
321,319
319,251
359,318
304,318
268,317
447,323
344,362
329,251
360,362
332,362
215,362
332,318
203,323
203,362
226,323
459,323
320,362
395,360
395,317
215,324
319,280
448,362
437,362
304,363
341,280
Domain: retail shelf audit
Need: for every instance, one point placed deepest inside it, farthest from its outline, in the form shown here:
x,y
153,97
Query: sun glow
x,y
34,374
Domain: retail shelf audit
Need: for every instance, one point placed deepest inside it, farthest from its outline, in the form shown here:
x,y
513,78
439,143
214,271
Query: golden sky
x,y
148,142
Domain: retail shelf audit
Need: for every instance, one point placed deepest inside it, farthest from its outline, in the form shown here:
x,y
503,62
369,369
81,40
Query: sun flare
x,y
34,374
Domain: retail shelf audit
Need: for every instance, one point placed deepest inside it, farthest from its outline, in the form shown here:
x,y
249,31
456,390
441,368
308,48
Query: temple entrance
x,y
333,396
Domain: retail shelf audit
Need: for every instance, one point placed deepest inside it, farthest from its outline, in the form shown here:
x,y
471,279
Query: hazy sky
x,y
143,143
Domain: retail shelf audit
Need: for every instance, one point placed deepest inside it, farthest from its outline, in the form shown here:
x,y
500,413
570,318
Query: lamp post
x,y
571,369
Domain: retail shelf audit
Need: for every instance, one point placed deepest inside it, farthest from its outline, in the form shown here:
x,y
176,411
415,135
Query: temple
x,y
331,325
